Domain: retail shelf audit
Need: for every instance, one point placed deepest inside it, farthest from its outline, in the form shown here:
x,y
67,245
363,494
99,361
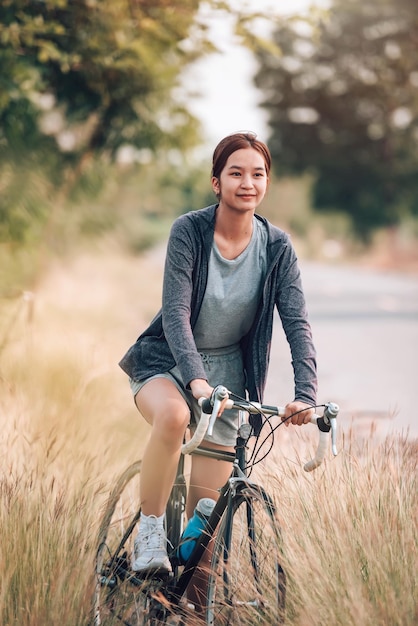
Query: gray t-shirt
x,y
232,293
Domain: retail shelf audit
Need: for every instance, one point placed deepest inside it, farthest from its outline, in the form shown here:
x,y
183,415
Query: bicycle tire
x,y
247,584
116,600
119,596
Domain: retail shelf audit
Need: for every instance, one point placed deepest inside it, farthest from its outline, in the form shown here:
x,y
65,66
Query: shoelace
x,y
154,538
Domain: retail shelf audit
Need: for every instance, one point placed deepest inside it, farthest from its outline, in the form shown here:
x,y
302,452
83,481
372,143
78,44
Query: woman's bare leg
x,y
162,406
206,478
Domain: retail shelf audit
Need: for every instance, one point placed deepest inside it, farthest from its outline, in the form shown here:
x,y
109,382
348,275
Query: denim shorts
x,y
223,367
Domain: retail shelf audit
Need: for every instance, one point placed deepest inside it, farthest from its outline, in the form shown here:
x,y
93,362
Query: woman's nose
x,y
247,181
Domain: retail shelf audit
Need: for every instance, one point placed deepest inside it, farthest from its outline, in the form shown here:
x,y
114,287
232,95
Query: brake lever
x,y
330,418
218,394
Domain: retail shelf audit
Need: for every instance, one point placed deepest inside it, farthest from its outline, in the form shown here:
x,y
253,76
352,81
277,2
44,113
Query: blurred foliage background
x,y
96,136
341,90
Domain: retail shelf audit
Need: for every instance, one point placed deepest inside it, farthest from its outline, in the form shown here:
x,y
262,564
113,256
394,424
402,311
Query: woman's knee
x,y
163,406
171,421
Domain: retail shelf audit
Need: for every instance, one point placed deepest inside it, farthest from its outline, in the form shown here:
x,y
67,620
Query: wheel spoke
x,y
247,584
120,596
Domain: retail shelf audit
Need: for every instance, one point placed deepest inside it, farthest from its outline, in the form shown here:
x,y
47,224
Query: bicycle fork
x,y
234,486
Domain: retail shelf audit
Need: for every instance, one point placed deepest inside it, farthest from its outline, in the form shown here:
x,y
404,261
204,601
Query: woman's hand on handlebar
x,y
300,411
200,388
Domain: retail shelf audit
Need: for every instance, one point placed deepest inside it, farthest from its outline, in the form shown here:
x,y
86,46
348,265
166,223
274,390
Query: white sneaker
x,y
150,548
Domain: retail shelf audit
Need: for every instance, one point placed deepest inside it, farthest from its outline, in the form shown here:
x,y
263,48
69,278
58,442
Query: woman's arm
x,y
178,300
290,301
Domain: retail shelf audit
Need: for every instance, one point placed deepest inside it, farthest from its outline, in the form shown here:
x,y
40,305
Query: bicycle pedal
x,y
149,576
108,581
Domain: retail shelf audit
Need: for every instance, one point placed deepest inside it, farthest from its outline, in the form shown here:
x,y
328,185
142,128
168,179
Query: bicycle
x,y
246,584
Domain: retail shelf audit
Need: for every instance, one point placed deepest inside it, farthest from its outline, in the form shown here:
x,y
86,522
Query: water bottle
x,y
194,528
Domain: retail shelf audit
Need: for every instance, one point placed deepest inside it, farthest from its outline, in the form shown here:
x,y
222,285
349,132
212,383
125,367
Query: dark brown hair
x,y
235,142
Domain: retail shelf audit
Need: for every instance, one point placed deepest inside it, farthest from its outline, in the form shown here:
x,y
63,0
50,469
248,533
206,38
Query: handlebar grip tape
x,y
320,453
198,436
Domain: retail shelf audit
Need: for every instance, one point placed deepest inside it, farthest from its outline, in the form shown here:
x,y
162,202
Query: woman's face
x,y
243,181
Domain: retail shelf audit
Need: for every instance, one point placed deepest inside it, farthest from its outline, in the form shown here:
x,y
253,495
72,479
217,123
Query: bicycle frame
x,y
241,503
237,482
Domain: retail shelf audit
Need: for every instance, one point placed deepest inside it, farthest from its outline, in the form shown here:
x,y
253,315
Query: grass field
x,y
69,428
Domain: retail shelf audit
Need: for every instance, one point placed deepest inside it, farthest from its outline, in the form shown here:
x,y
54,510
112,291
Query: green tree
x,y
341,91
79,81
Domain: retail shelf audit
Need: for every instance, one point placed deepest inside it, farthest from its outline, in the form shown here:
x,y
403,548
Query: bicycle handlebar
x,y
210,409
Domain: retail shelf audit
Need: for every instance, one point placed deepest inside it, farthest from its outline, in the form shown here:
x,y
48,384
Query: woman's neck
x,y
233,232
233,224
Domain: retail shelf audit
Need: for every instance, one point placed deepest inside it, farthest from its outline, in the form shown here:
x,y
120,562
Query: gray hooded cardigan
x,y
169,338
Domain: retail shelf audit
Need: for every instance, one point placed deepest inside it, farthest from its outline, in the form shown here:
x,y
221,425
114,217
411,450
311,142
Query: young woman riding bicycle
x,y
225,259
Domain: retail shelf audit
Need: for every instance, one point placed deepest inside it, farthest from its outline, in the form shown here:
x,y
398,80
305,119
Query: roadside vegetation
x,y
69,428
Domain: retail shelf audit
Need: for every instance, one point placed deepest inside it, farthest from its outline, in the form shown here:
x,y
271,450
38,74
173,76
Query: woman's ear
x,y
216,186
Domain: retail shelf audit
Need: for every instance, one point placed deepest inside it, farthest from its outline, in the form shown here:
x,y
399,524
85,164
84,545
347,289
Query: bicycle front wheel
x,y
247,583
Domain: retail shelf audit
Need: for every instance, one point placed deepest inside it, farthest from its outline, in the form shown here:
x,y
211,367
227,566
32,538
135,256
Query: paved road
x,y
365,326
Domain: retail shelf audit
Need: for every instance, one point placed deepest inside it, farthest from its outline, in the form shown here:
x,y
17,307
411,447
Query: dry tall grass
x,y
69,427
351,537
